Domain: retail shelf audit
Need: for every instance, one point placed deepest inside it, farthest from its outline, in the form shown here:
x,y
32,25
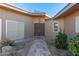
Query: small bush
x,y
73,46
60,41
6,42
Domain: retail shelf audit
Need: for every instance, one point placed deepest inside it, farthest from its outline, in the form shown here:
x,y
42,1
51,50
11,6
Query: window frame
x,y
16,34
76,23
0,29
54,26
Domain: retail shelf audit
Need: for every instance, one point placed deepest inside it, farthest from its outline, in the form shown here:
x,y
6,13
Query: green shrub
x,y
6,42
60,41
73,46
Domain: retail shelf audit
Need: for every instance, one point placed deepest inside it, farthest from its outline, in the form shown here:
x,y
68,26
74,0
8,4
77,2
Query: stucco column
x,y
3,29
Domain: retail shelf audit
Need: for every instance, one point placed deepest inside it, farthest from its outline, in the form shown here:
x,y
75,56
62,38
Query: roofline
x,y
68,6
20,10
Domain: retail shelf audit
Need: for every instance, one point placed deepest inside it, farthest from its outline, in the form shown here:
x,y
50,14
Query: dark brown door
x,y
39,29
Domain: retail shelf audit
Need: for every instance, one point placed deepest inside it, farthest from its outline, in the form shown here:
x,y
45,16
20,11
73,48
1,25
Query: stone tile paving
x,y
39,48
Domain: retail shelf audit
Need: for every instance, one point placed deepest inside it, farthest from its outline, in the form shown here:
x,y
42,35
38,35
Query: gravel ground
x,y
57,52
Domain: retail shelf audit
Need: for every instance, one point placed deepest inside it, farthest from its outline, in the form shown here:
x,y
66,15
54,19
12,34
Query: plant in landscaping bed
x,y
7,42
7,46
73,46
61,40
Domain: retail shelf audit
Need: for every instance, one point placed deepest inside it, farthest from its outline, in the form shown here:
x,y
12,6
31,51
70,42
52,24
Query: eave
x,y
12,8
71,7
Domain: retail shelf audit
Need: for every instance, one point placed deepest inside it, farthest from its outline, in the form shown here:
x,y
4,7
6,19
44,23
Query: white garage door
x,y
0,28
14,29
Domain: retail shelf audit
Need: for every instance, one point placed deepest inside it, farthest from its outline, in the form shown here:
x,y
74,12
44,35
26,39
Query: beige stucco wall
x,y
67,23
61,23
10,15
49,28
70,24
38,19
49,34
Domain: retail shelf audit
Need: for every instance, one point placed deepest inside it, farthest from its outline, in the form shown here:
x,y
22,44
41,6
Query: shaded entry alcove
x,y
39,29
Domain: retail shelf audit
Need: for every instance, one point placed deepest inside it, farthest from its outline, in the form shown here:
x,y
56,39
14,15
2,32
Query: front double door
x,y
39,29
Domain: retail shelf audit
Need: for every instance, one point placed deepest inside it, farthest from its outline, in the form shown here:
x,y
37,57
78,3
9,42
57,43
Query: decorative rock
x,y
7,49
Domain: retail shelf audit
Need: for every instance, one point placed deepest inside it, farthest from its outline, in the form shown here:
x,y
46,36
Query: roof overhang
x,y
71,7
10,7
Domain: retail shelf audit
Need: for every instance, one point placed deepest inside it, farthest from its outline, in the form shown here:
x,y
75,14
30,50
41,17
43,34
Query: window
x,y
77,24
56,26
0,28
14,29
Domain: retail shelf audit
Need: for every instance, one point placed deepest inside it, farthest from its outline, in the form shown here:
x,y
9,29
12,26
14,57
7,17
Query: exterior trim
x,y
67,7
20,10
54,28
